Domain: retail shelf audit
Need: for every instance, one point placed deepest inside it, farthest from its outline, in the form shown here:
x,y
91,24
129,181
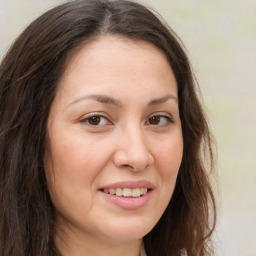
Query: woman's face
x,y
114,143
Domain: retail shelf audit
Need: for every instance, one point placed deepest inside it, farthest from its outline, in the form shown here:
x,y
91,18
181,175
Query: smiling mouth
x,y
126,192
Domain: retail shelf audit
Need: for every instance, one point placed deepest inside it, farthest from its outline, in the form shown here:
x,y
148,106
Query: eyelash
x,y
160,116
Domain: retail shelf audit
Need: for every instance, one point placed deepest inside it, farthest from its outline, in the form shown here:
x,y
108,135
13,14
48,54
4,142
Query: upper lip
x,y
130,184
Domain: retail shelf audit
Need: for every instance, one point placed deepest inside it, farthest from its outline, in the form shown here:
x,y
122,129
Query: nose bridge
x,y
133,150
135,139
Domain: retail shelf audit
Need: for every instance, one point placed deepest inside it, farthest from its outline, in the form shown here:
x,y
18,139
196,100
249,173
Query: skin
x,y
130,140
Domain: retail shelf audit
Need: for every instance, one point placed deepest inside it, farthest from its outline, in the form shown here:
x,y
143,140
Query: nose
x,y
132,151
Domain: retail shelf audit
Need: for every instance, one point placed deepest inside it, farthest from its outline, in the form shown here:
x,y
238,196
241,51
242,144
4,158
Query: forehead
x,y
104,49
113,62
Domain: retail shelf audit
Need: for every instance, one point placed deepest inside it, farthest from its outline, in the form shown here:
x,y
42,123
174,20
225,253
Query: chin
x,y
131,229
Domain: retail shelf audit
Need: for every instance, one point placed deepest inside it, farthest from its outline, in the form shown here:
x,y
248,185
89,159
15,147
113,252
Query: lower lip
x,y
128,203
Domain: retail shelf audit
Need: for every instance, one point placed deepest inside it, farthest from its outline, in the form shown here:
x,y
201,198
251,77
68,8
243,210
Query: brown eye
x,y
94,120
154,120
160,120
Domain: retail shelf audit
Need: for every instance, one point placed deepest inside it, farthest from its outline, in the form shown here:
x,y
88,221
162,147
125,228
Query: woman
x,y
102,138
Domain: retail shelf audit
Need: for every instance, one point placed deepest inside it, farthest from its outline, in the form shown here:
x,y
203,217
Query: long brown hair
x,y
29,76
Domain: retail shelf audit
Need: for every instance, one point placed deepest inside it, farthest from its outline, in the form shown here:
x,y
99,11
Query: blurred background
x,y
220,38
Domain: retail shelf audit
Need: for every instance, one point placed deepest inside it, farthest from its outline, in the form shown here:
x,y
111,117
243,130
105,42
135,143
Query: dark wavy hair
x,y
29,76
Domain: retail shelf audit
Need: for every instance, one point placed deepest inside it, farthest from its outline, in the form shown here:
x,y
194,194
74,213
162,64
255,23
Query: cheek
x,y
67,167
74,163
170,154
71,155
168,162
70,173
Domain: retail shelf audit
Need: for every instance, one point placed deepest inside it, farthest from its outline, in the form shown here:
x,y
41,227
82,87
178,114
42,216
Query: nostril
x,y
127,166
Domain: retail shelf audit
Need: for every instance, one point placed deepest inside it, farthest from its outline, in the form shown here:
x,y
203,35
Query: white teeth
x,y
119,192
136,192
126,192
112,191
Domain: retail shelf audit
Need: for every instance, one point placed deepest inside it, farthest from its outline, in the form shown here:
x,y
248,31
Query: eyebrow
x,y
109,100
100,98
162,100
